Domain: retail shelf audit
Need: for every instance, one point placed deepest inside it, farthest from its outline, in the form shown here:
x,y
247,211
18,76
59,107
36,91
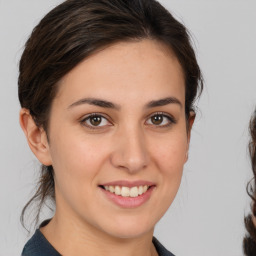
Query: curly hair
x,y
249,242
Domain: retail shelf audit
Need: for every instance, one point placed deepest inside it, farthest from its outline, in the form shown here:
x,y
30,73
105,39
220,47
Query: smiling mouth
x,y
126,191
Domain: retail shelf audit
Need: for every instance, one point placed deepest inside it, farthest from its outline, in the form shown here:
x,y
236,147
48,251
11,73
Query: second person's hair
x,y
249,242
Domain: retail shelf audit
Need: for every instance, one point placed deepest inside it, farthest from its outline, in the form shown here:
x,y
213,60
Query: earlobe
x,y
36,137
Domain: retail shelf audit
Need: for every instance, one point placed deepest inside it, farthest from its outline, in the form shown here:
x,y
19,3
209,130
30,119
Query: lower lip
x,y
129,202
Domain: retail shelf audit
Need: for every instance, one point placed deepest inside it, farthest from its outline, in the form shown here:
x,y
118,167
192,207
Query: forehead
x,y
126,70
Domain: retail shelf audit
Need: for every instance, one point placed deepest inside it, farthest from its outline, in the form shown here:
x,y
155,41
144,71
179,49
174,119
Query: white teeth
x,y
134,192
127,192
117,190
112,189
140,190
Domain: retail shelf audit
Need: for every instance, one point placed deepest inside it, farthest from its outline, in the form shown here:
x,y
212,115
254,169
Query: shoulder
x,y
162,251
38,246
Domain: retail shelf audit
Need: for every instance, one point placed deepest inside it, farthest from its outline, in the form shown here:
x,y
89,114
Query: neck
x,y
76,238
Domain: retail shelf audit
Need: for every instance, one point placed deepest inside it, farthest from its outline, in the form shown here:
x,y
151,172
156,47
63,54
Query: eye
x,y
94,121
161,120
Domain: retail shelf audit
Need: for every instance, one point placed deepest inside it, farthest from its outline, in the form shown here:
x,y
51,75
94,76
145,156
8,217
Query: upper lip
x,y
129,184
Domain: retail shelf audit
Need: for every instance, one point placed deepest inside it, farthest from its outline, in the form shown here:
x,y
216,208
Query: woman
x,y
107,91
250,220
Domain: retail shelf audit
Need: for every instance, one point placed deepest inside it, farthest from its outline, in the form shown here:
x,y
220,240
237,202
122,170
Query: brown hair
x,y
249,242
73,31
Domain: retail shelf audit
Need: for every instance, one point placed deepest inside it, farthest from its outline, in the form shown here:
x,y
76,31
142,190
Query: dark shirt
x,y
38,245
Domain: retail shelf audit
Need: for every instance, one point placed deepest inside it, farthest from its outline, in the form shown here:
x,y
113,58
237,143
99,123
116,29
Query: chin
x,y
128,229
128,233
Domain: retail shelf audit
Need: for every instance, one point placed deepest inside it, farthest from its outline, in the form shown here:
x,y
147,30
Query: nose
x,y
130,151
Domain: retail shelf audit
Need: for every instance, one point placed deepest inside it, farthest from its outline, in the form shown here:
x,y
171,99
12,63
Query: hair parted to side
x,y
249,242
75,30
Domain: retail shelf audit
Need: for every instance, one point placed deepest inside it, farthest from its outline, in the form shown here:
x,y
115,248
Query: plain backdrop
x,y
206,217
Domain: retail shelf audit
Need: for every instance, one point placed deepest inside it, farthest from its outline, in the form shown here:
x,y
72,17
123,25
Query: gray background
x,y
206,218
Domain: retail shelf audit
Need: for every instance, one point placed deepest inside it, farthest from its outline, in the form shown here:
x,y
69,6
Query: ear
x,y
190,123
36,137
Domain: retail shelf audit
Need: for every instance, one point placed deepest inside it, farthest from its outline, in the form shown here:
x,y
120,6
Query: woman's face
x,y
117,126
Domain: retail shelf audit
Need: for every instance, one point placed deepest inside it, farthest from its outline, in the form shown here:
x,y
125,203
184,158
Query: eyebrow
x,y
107,104
163,102
95,102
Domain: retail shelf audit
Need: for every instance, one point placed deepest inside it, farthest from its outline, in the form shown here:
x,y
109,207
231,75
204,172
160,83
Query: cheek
x,y
76,161
74,153
170,155
170,158
171,168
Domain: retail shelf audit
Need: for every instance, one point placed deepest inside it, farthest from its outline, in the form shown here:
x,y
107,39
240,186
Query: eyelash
x,y
171,120
88,117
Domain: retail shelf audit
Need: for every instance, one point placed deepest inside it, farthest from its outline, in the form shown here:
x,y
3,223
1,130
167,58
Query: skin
x,y
127,145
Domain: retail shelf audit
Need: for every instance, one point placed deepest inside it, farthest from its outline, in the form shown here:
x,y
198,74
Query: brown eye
x,y
95,120
160,120
157,119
